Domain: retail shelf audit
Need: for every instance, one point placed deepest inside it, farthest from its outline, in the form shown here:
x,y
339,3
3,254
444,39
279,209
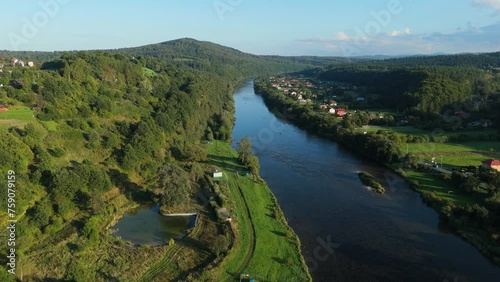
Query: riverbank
x,y
265,246
433,190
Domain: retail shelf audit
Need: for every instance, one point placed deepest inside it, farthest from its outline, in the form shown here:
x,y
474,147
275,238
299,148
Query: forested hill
x,y
225,61
98,121
483,60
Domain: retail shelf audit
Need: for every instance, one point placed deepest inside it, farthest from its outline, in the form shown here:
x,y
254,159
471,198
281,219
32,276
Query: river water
x,y
347,232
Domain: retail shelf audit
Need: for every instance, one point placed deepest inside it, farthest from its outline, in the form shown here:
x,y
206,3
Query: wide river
x,y
347,232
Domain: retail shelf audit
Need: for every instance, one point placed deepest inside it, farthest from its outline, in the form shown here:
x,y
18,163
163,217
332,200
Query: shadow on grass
x,y
279,233
226,163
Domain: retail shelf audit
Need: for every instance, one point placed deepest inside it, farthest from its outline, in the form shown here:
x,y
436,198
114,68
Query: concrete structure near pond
x,y
217,174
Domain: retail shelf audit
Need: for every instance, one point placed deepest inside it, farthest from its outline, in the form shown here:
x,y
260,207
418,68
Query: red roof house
x,y
341,112
493,164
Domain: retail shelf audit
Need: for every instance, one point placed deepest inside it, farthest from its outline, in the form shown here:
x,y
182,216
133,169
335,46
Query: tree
x,y
41,213
253,165
219,245
244,150
175,184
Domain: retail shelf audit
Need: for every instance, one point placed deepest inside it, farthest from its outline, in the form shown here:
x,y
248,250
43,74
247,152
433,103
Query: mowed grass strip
x,y
276,254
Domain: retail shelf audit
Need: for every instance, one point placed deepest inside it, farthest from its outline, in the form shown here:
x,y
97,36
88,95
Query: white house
x,y
332,111
218,174
31,64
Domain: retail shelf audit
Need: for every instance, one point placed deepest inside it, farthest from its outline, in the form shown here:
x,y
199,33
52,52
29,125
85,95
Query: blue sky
x,y
314,27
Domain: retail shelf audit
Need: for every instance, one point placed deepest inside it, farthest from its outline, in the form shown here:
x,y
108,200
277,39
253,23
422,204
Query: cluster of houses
x,y
17,62
331,107
301,90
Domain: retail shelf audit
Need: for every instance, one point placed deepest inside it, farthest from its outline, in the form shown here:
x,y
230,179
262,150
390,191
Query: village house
x,y
323,106
360,99
31,64
333,103
332,111
341,112
492,164
3,108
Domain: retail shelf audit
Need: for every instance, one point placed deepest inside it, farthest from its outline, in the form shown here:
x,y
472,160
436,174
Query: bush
x,y
219,245
57,152
368,180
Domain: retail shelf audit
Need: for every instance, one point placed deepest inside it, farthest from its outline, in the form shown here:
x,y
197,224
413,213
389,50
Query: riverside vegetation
x,y
434,101
92,134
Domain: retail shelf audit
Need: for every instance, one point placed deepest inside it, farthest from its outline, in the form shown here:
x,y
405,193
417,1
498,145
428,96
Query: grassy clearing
x,y
456,154
434,183
50,125
417,131
16,117
275,254
454,147
149,72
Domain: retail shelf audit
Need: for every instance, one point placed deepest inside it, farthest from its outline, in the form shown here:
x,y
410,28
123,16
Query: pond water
x,y
146,226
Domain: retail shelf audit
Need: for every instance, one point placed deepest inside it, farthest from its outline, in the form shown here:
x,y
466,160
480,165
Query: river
x,y
347,232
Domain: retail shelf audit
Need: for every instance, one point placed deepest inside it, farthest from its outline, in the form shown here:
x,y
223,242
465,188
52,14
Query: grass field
x,y
456,154
417,131
16,116
434,183
273,246
50,125
149,72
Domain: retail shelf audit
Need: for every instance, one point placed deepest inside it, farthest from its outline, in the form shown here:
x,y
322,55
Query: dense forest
x,y
102,121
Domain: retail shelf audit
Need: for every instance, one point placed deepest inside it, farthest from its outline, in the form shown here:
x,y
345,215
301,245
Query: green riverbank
x,y
265,247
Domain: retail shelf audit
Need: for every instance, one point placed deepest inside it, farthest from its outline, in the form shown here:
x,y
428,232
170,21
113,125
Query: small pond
x,y
144,225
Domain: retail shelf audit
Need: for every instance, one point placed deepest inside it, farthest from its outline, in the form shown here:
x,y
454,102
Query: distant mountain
x,y
232,63
224,60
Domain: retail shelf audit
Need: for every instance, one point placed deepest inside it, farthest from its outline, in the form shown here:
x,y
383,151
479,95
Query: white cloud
x,y
397,42
394,33
495,4
342,36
